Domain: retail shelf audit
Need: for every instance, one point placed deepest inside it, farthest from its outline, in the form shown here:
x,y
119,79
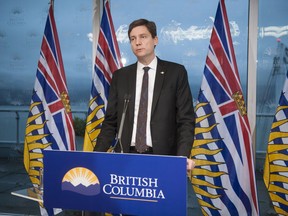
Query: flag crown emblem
x,y
66,102
239,100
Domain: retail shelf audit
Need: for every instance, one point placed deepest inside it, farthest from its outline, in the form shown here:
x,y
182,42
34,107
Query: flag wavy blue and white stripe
x,y
224,177
107,60
276,165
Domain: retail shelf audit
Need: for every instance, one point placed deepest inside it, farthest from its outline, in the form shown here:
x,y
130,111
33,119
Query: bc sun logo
x,y
81,180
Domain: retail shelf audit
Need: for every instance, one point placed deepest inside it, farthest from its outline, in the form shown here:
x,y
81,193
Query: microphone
x,y
119,135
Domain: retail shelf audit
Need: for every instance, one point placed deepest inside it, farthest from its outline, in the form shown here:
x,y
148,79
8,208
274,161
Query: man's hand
x,y
190,164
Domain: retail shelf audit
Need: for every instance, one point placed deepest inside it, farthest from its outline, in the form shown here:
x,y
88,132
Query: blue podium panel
x,y
116,183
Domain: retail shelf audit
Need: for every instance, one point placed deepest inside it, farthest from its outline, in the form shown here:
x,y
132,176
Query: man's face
x,y
142,44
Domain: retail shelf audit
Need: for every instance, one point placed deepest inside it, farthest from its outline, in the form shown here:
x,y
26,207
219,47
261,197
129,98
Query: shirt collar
x,y
152,65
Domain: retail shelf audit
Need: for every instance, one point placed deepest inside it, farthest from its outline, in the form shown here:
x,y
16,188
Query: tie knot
x,y
146,69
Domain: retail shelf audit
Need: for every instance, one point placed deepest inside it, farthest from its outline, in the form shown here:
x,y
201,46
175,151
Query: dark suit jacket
x,y
172,116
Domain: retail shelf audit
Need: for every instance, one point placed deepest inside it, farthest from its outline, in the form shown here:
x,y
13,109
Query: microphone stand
x,y
119,135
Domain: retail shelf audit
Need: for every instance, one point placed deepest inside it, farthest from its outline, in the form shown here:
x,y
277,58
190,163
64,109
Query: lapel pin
x,y
162,72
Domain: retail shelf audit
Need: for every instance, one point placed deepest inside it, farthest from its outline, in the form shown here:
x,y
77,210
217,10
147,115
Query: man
x,y
169,112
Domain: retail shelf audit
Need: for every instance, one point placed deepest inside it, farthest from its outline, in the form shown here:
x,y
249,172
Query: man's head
x,y
143,39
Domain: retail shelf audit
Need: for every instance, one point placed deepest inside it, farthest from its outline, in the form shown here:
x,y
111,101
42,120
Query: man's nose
x,y
138,41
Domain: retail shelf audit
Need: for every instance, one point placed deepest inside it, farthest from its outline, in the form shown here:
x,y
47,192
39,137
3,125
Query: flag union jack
x,y
49,124
107,61
223,179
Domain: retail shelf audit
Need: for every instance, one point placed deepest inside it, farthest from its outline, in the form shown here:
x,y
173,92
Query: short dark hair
x,y
150,25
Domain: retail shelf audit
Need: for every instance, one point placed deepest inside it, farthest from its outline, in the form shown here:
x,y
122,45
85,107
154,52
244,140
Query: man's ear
x,y
155,41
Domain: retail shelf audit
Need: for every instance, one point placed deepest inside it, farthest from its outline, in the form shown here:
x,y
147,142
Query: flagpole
x,y
252,71
97,14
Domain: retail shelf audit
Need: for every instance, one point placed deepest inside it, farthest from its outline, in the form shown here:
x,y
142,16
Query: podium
x,y
132,184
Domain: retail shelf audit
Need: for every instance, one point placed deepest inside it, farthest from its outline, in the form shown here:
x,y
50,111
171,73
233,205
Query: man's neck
x,y
146,60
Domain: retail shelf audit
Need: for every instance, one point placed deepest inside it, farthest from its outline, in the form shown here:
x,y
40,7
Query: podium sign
x,y
116,183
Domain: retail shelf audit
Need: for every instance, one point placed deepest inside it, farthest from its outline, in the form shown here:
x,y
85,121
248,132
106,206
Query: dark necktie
x,y
140,144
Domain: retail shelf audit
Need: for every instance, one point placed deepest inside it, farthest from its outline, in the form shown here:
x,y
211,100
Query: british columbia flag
x,y
276,165
107,60
224,178
49,124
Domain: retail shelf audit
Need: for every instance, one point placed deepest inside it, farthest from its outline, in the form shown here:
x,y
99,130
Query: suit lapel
x,y
159,79
132,89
